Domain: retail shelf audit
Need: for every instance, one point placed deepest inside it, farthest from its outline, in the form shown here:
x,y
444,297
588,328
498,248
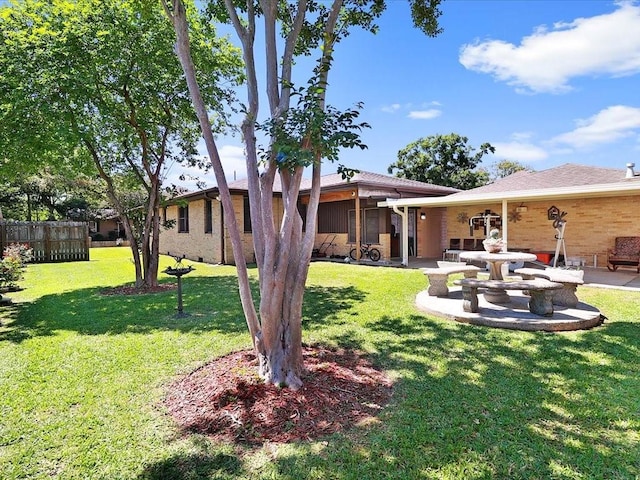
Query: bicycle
x,y
366,251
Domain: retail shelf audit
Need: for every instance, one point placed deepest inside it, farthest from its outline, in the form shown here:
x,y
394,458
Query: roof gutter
x,y
463,198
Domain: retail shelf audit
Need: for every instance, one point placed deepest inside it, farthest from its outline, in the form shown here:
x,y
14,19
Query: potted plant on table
x,y
494,242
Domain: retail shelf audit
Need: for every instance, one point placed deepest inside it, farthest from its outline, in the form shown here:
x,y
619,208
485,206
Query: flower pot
x,y
493,247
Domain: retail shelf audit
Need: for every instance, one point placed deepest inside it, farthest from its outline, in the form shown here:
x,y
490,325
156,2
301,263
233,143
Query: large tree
x,y
49,195
505,167
297,137
445,160
96,84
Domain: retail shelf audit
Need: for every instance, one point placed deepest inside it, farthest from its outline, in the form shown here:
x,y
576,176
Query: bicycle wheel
x,y
353,254
374,254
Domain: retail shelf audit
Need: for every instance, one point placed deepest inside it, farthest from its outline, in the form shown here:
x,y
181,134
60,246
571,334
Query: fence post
x,y
87,241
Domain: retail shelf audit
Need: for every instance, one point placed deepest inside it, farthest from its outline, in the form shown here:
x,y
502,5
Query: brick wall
x,y
195,244
591,225
208,247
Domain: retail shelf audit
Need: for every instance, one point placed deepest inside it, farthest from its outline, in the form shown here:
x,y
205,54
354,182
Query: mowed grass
x,y
82,377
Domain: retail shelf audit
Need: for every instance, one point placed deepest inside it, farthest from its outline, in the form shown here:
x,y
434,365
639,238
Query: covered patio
x,y
532,209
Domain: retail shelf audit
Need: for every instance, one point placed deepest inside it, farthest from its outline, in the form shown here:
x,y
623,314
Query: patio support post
x,y
405,233
505,225
358,229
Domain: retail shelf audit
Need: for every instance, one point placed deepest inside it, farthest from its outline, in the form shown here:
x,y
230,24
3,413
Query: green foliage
x,y
104,73
504,168
14,260
51,196
94,81
308,132
444,160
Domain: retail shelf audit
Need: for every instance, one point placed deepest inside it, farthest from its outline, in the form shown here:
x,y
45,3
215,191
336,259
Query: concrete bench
x,y
438,277
570,279
541,292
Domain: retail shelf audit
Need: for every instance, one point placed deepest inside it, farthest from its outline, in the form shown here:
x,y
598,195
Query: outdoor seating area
x,y
519,301
570,279
626,252
540,291
438,277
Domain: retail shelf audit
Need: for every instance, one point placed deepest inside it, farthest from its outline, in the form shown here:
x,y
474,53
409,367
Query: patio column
x,y
358,230
505,224
405,233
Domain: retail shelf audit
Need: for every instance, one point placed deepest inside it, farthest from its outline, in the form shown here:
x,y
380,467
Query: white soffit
x,y
463,198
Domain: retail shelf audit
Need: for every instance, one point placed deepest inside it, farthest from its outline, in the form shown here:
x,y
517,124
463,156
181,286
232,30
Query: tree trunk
x,y
150,239
281,317
126,221
282,254
177,15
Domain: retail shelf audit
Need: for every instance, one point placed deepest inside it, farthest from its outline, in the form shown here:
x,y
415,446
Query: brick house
x,y
599,205
200,235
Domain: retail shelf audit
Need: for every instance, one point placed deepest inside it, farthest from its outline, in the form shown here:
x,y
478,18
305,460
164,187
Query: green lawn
x,y
82,376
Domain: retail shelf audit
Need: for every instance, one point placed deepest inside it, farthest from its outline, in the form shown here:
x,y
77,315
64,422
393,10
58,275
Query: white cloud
x,y
519,151
606,126
424,107
393,108
233,162
425,114
547,60
521,136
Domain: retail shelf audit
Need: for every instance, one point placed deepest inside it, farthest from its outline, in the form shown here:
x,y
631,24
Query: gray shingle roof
x,y
335,181
567,175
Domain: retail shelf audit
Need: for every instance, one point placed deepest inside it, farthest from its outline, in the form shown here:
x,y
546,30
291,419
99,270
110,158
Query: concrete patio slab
x,y
514,315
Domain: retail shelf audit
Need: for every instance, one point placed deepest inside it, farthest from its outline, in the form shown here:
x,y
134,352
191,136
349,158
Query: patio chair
x,y
626,252
469,244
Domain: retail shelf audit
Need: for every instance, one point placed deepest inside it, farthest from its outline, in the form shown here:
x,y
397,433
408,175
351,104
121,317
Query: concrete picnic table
x,y
495,262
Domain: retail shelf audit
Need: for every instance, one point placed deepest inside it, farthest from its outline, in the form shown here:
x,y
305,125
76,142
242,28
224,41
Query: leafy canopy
x,y
445,160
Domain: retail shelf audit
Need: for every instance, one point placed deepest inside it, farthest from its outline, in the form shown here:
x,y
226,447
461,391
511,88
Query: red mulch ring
x,y
227,401
133,290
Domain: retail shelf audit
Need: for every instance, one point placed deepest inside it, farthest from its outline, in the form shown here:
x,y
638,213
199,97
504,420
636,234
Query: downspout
x,y
405,234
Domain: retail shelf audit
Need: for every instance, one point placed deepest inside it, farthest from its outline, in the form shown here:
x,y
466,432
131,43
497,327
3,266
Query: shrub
x,y
14,258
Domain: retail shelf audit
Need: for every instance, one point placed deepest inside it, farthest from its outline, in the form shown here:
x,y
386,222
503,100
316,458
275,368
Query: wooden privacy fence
x,y
50,241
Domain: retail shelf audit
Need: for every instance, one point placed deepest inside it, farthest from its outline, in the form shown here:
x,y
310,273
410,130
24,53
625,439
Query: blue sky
x,y
546,82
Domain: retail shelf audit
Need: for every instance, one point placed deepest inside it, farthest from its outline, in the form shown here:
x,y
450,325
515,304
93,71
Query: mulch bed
x,y
227,401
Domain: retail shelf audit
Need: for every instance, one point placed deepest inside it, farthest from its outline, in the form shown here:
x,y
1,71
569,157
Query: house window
x,y
333,217
183,219
247,215
369,228
208,216
302,210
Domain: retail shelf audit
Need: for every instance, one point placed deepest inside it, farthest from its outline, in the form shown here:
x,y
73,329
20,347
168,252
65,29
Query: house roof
x,y
567,175
369,185
564,181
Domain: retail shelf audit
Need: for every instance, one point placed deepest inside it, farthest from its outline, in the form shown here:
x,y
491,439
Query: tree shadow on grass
x,y
486,403
322,304
193,466
210,304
